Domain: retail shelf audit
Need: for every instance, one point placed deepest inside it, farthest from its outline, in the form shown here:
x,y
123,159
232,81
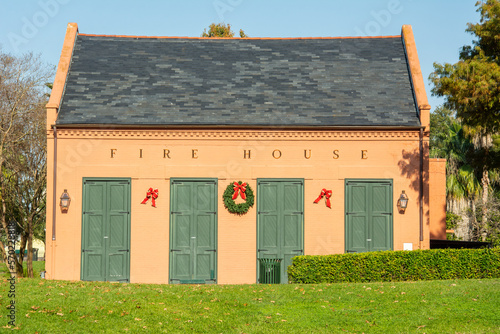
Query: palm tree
x,y
462,185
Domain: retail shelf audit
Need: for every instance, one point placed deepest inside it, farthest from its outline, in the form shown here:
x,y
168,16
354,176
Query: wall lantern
x,y
403,201
65,200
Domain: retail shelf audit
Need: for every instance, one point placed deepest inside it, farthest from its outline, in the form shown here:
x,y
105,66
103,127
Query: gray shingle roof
x,y
279,82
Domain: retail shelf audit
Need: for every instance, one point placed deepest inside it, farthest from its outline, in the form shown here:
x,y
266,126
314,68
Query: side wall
x,y
324,159
437,185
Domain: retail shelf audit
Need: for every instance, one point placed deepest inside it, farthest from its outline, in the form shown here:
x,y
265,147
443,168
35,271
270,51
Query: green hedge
x,y
388,266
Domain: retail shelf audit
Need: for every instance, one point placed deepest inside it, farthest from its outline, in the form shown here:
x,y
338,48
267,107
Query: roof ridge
x,y
239,38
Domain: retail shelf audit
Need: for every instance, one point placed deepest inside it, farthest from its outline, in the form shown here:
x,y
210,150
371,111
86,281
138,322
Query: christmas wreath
x,y
232,191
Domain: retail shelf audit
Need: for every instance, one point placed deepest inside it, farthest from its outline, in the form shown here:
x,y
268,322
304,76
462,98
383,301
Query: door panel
x,y
106,230
193,241
358,233
280,221
368,215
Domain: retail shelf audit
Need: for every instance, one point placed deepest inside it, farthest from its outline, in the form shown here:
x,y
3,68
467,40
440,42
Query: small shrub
x,y
387,266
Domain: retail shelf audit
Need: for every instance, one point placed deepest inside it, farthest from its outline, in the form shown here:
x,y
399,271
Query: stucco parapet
x,y
239,134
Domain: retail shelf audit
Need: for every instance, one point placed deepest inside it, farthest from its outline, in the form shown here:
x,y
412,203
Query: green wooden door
x,y
280,223
368,215
193,231
106,230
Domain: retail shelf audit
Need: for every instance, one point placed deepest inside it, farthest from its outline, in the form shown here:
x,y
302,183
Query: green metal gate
x,y
368,215
193,231
280,221
106,230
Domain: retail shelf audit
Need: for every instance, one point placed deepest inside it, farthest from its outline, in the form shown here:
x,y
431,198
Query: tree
x,y
441,121
26,184
22,157
471,89
449,140
221,30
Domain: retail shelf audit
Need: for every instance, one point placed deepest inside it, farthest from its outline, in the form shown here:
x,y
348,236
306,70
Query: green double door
x,y
280,221
368,215
193,231
106,230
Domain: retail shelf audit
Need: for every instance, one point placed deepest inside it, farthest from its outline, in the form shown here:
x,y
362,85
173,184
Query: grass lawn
x,y
461,306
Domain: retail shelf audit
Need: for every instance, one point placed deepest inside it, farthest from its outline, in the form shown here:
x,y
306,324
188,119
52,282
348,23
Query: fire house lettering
x,y
247,154
336,154
306,155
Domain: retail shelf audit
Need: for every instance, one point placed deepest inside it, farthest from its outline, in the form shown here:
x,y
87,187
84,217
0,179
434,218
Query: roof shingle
x,y
249,82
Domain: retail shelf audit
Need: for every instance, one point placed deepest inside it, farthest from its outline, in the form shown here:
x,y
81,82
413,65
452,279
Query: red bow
x,y
327,194
241,188
153,194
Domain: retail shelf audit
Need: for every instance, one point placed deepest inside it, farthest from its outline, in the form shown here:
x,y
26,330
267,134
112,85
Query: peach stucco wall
x,y
437,183
221,154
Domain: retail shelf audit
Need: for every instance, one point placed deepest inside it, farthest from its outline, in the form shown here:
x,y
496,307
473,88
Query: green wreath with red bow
x,y
232,191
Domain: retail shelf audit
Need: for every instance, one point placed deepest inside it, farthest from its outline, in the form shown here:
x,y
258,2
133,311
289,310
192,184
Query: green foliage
x,y
449,140
242,34
487,30
442,120
491,210
436,264
240,208
452,220
471,85
221,30
471,88
38,267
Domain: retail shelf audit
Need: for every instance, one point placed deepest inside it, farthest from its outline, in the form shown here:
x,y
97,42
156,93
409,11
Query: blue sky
x,y
439,25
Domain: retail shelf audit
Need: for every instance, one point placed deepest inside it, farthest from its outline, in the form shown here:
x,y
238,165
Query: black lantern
x,y
65,200
403,201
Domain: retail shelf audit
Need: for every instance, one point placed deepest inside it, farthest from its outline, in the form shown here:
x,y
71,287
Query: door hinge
x,y
175,250
298,250
262,250
297,213
89,212
123,279
124,212
175,213
386,213
123,250
211,250
86,250
212,212
262,212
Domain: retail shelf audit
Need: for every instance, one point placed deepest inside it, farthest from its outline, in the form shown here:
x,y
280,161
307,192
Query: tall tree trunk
x,y
486,143
484,218
473,221
461,207
17,269
29,264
